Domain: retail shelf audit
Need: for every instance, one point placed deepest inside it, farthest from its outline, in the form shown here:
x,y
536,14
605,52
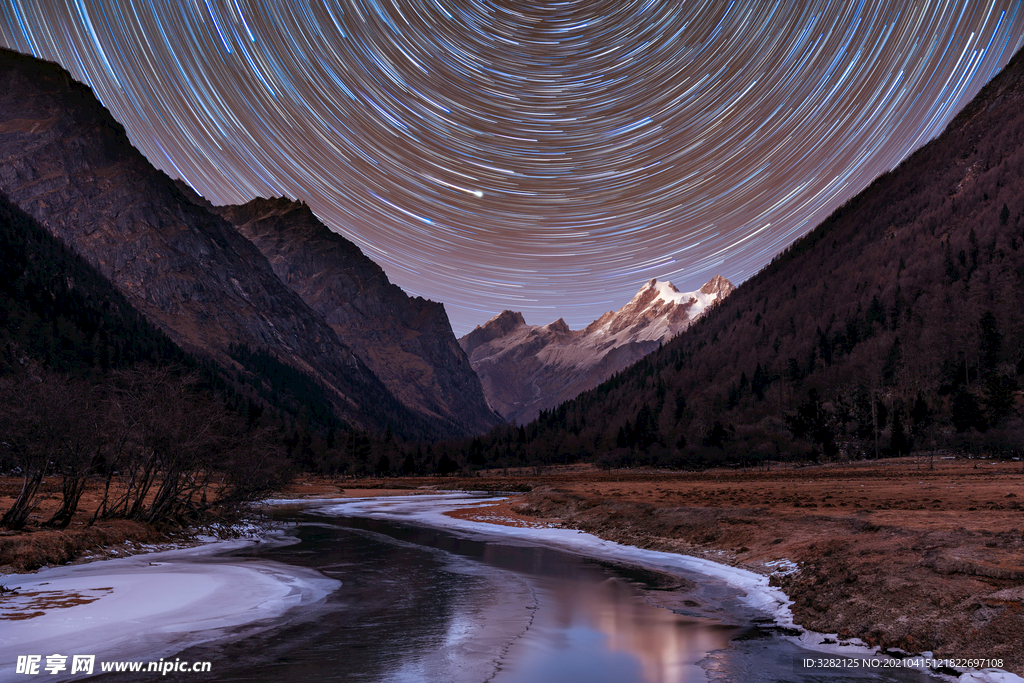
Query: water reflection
x,y
586,621
423,605
602,630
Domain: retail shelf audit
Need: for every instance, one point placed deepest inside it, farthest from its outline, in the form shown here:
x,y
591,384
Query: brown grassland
x,y
907,553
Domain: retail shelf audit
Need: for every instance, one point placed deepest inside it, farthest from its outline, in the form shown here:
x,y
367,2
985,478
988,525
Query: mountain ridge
x,y
525,368
893,326
406,341
66,162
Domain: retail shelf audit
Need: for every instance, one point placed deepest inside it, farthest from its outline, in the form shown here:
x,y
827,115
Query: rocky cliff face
x,y
68,163
406,341
528,368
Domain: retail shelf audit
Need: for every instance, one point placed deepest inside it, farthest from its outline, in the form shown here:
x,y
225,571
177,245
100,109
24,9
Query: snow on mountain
x,y
528,368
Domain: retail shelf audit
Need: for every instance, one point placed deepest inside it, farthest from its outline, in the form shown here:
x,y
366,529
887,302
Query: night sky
x,y
547,157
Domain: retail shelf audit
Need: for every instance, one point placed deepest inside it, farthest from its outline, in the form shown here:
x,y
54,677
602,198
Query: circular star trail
x,y
547,157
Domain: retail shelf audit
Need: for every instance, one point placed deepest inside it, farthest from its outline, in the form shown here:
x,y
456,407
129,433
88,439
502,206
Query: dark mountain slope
x,y
68,163
895,324
90,391
58,311
406,341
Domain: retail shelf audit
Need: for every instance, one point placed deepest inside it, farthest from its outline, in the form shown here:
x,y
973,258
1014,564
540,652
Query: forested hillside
x,y
895,325
60,311
89,389
66,162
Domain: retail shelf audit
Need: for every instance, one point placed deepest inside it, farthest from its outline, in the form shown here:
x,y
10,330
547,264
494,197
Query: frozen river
x,y
472,603
391,589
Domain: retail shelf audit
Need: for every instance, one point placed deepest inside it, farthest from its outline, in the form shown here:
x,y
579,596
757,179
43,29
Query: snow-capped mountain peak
x,y
667,291
527,368
658,312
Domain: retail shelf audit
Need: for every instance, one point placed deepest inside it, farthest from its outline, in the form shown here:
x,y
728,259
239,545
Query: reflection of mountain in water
x,y
605,629
423,605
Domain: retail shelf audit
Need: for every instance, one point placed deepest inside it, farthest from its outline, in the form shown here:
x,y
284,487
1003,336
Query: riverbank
x,y
908,553
903,554
146,607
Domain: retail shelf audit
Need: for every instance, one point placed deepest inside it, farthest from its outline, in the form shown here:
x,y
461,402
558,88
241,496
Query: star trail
x,y
546,157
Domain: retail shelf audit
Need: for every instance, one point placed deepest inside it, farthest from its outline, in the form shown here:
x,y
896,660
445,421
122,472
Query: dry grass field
x,y
907,553
910,553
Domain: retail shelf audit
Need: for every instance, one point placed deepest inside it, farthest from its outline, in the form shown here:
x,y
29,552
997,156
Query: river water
x,y
424,604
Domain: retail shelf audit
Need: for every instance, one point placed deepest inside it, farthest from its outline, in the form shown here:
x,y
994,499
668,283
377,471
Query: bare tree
x,y
25,443
81,439
179,451
46,429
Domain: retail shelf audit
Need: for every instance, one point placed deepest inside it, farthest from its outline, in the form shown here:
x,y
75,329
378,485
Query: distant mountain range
x,y
66,162
529,368
896,325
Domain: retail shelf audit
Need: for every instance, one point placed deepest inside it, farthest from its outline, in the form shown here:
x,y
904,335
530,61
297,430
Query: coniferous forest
x,y
89,390
894,326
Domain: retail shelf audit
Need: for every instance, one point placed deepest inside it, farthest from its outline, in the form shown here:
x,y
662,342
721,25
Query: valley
x,y
526,369
847,424
914,554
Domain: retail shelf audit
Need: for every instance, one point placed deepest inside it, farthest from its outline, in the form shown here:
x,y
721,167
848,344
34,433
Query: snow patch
x,y
782,567
148,606
990,676
428,510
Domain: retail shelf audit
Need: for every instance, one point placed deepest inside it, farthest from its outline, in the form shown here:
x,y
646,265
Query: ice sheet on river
x,y
145,607
430,511
756,593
